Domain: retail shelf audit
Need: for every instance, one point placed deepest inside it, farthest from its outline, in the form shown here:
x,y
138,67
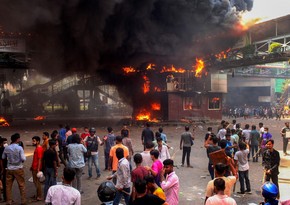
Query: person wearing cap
x,y
37,167
170,183
92,143
69,138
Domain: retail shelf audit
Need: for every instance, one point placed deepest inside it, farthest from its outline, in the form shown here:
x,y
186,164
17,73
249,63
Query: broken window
x,y
214,103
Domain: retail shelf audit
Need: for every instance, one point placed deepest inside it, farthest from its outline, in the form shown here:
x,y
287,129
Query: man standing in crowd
x,y
163,150
222,132
170,184
241,161
50,166
261,131
109,141
146,157
128,143
209,132
123,178
220,170
153,188
271,162
37,166
140,171
113,163
162,135
220,197
254,143
285,138
211,145
76,152
156,167
62,145
265,137
45,137
93,143
147,135
15,157
64,194
142,196
186,142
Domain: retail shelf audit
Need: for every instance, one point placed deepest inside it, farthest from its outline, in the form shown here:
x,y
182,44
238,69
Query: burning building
x,y
103,37
172,93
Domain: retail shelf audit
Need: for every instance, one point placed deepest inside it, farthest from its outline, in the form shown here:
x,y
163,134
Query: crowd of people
x,y
270,112
239,146
151,179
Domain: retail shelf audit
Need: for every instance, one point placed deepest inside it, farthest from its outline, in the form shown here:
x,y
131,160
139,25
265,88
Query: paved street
x,y
193,181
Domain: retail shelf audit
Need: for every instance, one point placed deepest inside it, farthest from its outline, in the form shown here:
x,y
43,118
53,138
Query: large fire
x,y
155,106
3,122
172,69
199,66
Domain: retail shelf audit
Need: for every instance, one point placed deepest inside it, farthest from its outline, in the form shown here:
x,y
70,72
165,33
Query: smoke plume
x,y
103,36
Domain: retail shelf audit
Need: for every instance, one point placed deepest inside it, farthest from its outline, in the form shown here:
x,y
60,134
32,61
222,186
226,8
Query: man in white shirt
x,y
64,194
220,197
147,161
241,161
123,176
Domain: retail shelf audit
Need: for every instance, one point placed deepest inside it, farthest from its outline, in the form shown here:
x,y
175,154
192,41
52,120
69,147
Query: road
x,y
193,181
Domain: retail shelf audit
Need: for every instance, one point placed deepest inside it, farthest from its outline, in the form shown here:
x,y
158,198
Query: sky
x,y
268,9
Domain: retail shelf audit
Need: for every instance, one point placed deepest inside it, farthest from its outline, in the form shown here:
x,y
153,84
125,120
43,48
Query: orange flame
x,y
245,23
151,66
223,54
3,122
129,70
156,89
172,69
214,100
40,117
155,106
143,115
146,84
199,67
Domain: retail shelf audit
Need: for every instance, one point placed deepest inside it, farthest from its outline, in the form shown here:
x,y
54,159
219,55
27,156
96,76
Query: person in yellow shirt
x,y
154,188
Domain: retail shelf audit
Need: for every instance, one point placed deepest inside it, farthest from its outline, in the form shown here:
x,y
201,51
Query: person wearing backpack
x,y
92,143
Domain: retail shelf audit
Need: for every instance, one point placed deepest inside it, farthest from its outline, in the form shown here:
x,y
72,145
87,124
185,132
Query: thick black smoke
x,y
103,36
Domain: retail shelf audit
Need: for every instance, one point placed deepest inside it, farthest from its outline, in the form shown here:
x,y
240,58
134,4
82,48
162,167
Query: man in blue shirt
x,y
15,157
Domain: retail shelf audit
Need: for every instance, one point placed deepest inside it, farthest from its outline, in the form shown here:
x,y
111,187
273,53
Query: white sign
x,y
12,45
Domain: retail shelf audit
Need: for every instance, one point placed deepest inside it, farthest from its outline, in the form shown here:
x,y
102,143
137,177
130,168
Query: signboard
x,y
12,45
219,83
279,84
